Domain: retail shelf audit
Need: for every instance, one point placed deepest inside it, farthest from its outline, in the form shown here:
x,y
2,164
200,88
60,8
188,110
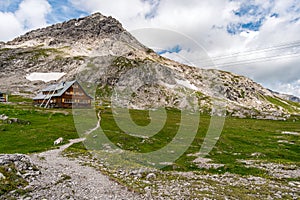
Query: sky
x,y
256,38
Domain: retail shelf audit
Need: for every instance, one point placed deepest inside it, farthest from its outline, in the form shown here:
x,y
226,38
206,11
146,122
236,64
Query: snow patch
x,y
186,84
167,85
259,102
46,77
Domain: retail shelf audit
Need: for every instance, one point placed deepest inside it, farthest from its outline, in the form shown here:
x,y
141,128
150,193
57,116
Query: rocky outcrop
x,y
91,36
21,162
91,27
17,170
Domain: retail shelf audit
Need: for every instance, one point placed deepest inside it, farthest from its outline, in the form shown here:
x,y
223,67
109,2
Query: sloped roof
x,y
61,88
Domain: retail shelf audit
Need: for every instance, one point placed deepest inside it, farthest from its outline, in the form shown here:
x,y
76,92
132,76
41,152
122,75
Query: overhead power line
x,y
260,50
277,50
255,60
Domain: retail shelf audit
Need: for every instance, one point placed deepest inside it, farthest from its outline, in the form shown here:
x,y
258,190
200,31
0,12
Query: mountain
x,y
62,48
286,96
97,50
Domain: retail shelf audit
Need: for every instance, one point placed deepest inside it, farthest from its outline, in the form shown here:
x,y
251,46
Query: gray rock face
x,y
90,27
22,167
21,162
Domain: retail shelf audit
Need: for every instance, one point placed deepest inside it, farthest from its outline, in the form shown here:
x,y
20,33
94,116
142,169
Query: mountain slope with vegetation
x,y
97,49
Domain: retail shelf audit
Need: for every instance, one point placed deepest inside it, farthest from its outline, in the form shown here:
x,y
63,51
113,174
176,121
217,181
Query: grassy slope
x,y
240,138
290,106
45,127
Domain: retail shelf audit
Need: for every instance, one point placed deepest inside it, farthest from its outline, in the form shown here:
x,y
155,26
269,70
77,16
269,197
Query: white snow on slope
x,y
46,77
187,84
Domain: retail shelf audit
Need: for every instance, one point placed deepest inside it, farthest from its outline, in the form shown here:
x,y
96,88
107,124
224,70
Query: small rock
x,y
3,117
292,184
2,176
58,141
256,154
151,176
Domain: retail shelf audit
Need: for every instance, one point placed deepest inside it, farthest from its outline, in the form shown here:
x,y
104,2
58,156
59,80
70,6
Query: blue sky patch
x,y
9,5
295,20
63,11
276,15
175,49
154,8
252,26
295,7
246,10
250,17
234,29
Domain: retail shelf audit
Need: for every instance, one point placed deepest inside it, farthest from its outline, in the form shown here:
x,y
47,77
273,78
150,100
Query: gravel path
x,y
63,178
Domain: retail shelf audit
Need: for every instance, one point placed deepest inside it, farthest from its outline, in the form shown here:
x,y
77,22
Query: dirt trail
x,y
63,178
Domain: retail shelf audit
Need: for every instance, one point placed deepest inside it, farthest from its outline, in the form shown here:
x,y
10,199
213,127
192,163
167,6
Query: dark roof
x,y
61,88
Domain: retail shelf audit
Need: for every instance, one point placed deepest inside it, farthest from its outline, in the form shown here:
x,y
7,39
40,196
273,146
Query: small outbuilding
x,y
63,95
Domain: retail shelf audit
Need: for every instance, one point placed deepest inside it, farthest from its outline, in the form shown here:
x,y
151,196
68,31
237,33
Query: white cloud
x,y
292,88
31,14
119,9
9,26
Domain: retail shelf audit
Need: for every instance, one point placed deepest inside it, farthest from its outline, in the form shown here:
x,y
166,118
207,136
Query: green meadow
x,y
44,127
240,138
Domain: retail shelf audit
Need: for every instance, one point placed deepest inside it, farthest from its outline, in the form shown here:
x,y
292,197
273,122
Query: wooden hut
x,y
63,95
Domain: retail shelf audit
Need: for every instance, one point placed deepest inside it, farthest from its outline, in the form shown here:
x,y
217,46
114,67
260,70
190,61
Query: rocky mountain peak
x,y
90,36
95,26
